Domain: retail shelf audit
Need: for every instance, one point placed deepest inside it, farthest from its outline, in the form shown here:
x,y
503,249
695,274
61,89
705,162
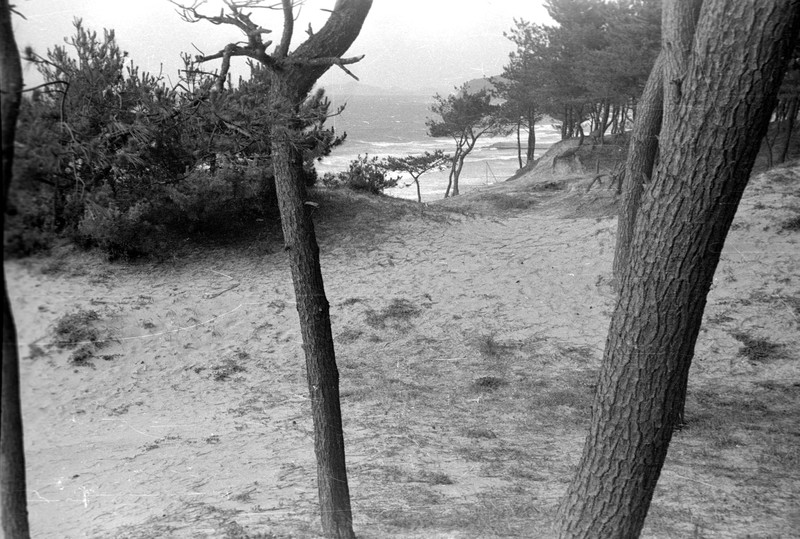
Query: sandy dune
x,y
467,346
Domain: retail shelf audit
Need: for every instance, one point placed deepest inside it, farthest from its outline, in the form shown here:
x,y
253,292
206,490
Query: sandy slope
x,y
196,423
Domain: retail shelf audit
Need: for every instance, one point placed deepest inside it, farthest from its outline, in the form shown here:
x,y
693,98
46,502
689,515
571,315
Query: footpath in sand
x,y
467,347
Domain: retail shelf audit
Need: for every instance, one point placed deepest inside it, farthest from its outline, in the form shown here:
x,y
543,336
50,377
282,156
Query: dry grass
x,y
399,312
758,349
461,418
78,331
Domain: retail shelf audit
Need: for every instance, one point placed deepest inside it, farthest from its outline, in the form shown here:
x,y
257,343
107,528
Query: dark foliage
x,y
112,157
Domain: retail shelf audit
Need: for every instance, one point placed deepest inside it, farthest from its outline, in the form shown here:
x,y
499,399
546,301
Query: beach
x,y
394,125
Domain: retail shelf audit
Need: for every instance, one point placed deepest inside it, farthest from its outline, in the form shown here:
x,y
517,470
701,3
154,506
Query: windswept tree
x,y
13,493
524,83
733,65
591,65
292,74
464,117
417,165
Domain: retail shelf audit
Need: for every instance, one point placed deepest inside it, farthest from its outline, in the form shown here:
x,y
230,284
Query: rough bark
x,y
678,22
13,493
740,53
642,150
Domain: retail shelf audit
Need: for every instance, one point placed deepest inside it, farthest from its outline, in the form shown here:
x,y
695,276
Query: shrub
x,y
363,174
24,242
76,328
113,157
126,234
206,201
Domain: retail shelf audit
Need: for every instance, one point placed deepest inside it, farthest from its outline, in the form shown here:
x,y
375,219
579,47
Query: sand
x,y
193,420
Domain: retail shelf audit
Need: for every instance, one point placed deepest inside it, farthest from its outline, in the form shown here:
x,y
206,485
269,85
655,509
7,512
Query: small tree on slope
x,y
417,165
292,75
464,117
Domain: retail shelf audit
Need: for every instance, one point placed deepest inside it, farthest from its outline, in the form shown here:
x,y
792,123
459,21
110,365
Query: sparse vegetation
x,y
398,311
489,347
479,432
758,350
364,174
453,427
437,478
78,331
792,224
77,328
229,366
489,383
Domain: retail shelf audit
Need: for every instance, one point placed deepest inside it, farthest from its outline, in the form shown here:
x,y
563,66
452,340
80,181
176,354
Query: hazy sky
x,y
409,44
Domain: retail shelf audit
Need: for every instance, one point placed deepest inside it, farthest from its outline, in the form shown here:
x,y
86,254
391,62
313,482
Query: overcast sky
x,y
409,44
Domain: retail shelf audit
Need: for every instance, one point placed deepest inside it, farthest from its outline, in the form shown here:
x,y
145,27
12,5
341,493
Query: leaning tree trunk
x,y
315,322
740,53
292,76
642,151
13,493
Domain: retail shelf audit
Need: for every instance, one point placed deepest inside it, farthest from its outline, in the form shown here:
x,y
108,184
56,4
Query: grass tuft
x,y
489,383
76,331
399,310
76,328
490,347
758,350
791,225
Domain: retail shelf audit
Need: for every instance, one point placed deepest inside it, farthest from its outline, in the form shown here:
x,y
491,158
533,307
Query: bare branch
x,y
46,84
288,30
326,61
13,9
235,50
329,61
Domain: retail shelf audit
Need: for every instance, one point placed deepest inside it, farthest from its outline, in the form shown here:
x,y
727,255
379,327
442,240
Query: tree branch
x,y
326,62
288,30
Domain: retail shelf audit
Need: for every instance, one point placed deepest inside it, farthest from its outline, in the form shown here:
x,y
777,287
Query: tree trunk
x,y
615,120
457,174
791,117
740,53
642,150
678,22
13,491
531,153
603,122
453,165
290,84
519,140
315,323
624,120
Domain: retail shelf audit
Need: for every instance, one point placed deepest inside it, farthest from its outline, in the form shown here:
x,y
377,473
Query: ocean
x,y
384,125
